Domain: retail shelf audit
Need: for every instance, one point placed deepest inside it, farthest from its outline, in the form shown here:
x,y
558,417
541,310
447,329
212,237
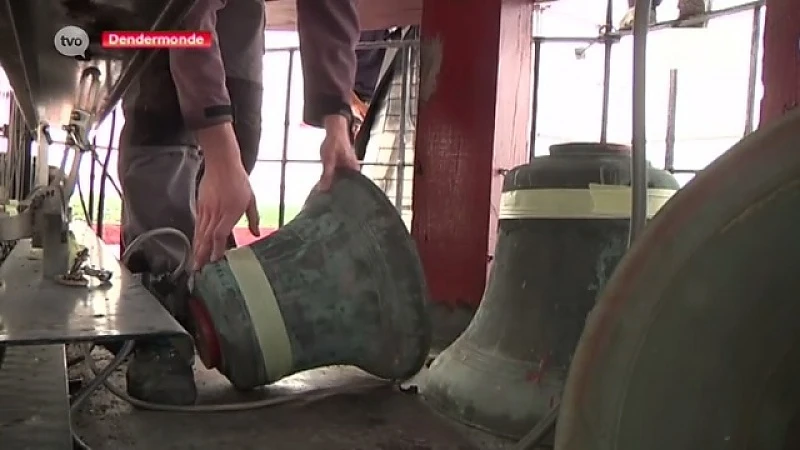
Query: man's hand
x,y
336,150
224,195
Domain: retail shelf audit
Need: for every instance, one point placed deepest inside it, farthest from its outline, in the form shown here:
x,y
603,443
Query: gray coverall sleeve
x,y
329,31
199,74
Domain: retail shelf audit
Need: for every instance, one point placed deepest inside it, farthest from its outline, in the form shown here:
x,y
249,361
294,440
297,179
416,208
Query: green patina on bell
x,y
563,228
341,284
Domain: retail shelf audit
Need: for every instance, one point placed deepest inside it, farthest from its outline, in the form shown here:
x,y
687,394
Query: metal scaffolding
x,y
387,161
395,117
639,181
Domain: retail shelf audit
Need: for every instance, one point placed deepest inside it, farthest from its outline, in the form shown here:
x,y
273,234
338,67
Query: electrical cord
x,y
86,214
97,377
140,240
104,175
540,431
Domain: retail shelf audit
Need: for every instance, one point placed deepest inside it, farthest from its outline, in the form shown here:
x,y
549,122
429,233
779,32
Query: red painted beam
x,y
472,124
781,66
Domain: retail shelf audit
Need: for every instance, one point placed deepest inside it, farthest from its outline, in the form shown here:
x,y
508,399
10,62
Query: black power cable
x,y
544,427
101,196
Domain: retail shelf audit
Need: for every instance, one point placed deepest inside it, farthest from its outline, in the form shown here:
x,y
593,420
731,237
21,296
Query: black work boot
x,y
160,372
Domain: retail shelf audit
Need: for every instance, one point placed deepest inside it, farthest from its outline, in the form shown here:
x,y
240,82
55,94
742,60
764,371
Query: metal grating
x,y
34,402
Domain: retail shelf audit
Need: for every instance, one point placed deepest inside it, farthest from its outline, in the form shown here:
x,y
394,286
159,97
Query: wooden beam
x,y
375,14
472,126
781,65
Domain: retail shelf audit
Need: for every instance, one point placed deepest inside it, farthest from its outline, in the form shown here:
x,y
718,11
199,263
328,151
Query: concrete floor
x,y
377,418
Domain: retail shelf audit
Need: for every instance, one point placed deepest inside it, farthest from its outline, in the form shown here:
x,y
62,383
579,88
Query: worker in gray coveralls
x,y
203,107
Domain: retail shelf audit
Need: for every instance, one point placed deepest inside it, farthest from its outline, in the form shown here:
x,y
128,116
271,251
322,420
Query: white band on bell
x,y
598,201
265,314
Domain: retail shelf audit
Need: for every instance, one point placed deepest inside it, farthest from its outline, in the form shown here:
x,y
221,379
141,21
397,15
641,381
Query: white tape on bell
x,y
598,201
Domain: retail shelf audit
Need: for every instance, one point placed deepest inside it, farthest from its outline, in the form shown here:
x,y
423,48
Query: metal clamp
x,y
80,122
79,271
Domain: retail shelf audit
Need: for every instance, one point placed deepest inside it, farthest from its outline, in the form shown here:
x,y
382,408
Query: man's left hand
x,y
336,150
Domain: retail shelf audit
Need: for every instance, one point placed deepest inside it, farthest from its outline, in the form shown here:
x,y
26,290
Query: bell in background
x,y
564,223
341,284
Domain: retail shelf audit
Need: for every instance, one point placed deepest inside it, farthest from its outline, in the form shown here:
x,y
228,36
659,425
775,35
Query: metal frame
x,y
608,37
639,182
44,303
405,51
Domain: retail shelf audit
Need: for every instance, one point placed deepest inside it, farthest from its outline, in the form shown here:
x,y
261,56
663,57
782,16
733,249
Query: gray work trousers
x,y
158,190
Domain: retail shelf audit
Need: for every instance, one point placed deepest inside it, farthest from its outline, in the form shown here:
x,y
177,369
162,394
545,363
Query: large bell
x,y
564,223
341,284
695,342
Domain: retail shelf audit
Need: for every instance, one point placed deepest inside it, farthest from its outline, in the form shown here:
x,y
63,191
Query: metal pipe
x,y
401,152
672,106
696,20
569,39
755,46
42,152
31,117
140,60
641,20
287,117
657,26
537,70
608,45
105,176
92,174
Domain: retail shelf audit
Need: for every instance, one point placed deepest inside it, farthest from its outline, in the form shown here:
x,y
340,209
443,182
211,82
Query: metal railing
x,y
609,37
394,123
390,152
401,95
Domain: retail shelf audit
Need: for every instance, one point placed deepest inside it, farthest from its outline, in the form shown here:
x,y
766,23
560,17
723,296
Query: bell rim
x,y
205,334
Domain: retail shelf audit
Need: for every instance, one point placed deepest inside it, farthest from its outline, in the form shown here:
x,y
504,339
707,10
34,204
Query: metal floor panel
x,y
34,403
38,311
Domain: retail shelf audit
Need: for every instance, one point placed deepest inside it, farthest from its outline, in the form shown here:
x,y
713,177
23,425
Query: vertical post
x,y
92,170
641,24
105,177
42,151
472,125
672,107
26,170
287,118
781,59
755,46
537,70
608,45
400,173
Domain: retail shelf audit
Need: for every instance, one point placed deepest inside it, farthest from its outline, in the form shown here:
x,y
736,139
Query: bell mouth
x,y
205,335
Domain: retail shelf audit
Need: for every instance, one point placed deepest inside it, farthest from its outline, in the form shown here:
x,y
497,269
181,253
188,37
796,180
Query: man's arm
x,y
329,32
199,77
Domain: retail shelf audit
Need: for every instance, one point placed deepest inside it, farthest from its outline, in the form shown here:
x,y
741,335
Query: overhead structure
x,y
374,14
44,81
60,284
